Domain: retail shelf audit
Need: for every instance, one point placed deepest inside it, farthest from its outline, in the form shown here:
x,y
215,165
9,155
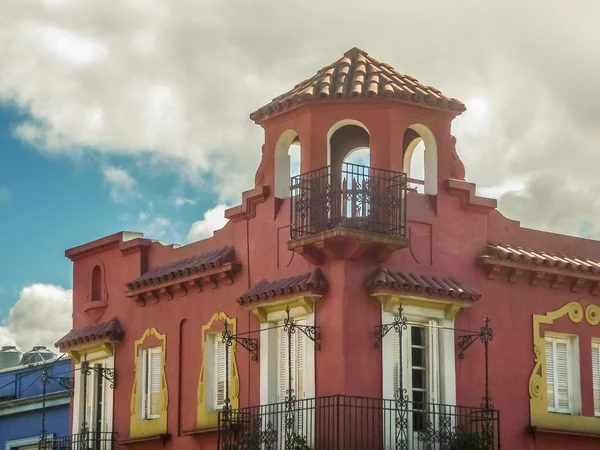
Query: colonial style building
x,y
352,306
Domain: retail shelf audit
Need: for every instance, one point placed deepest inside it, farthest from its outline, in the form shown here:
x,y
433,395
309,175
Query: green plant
x,y
300,443
469,441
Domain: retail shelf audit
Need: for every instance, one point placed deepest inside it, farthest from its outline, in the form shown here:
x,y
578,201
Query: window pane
x,y
417,335
418,357
418,397
418,378
419,420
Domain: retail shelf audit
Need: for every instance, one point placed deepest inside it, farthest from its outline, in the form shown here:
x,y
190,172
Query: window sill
x,y
156,437
535,430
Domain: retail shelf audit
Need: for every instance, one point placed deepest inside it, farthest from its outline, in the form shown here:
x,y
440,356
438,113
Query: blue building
x,y
24,409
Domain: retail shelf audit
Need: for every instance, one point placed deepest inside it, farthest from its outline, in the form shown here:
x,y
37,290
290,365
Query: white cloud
x,y
157,228
214,219
122,185
176,80
41,316
180,201
5,194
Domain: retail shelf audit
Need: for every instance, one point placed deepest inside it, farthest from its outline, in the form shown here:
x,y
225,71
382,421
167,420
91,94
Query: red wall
x,y
446,241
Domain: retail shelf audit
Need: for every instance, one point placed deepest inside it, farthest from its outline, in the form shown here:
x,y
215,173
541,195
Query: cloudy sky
x,y
134,115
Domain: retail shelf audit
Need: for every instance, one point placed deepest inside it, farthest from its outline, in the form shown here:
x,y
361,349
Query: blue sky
x,y
51,202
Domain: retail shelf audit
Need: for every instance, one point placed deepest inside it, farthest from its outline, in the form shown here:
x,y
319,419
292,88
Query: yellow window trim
x,y
538,402
450,307
205,418
153,427
304,302
104,350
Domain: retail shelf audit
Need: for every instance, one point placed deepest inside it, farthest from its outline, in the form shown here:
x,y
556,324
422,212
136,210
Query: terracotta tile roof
x,y
313,282
542,258
420,284
110,330
183,267
357,75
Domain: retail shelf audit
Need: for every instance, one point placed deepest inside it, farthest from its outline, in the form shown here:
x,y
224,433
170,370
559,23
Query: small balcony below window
x,y
87,440
349,211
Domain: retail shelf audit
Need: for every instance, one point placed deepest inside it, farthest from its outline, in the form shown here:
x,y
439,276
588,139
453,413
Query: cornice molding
x,y
195,282
540,275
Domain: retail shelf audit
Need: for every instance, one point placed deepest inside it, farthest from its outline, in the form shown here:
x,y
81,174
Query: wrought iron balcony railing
x,y
353,196
90,440
357,423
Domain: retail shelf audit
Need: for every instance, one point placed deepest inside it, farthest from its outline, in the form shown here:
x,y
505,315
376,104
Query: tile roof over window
x,y
311,282
542,258
411,283
358,75
183,267
104,331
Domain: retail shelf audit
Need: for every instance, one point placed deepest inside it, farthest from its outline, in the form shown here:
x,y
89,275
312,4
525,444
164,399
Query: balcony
x,y
357,423
91,440
351,212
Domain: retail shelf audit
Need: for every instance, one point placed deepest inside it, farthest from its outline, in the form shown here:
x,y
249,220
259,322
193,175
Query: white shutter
x,y
596,376
550,374
562,375
154,382
300,363
144,384
396,359
106,392
433,369
282,372
219,371
90,395
558,374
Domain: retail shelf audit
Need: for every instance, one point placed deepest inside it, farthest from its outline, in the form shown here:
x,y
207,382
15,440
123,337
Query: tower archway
x,y
420,159
288,154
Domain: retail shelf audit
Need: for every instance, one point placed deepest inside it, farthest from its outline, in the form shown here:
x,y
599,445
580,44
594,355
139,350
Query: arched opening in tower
x,y
420,159
350,156
287,162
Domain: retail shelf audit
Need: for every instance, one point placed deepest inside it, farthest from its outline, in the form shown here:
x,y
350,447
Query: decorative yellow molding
x,y
305,302
450,307
152,427
105,350
538,401
206,418
592,314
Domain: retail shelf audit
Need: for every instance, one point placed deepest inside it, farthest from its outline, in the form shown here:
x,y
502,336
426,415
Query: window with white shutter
x,y
559,380
151,382
282,364
298,363
596,376
88,399
420,368
219,372
420,353
106,426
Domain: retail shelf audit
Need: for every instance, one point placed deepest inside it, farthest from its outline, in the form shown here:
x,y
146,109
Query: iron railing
x,y
353,196
90,440
358,423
